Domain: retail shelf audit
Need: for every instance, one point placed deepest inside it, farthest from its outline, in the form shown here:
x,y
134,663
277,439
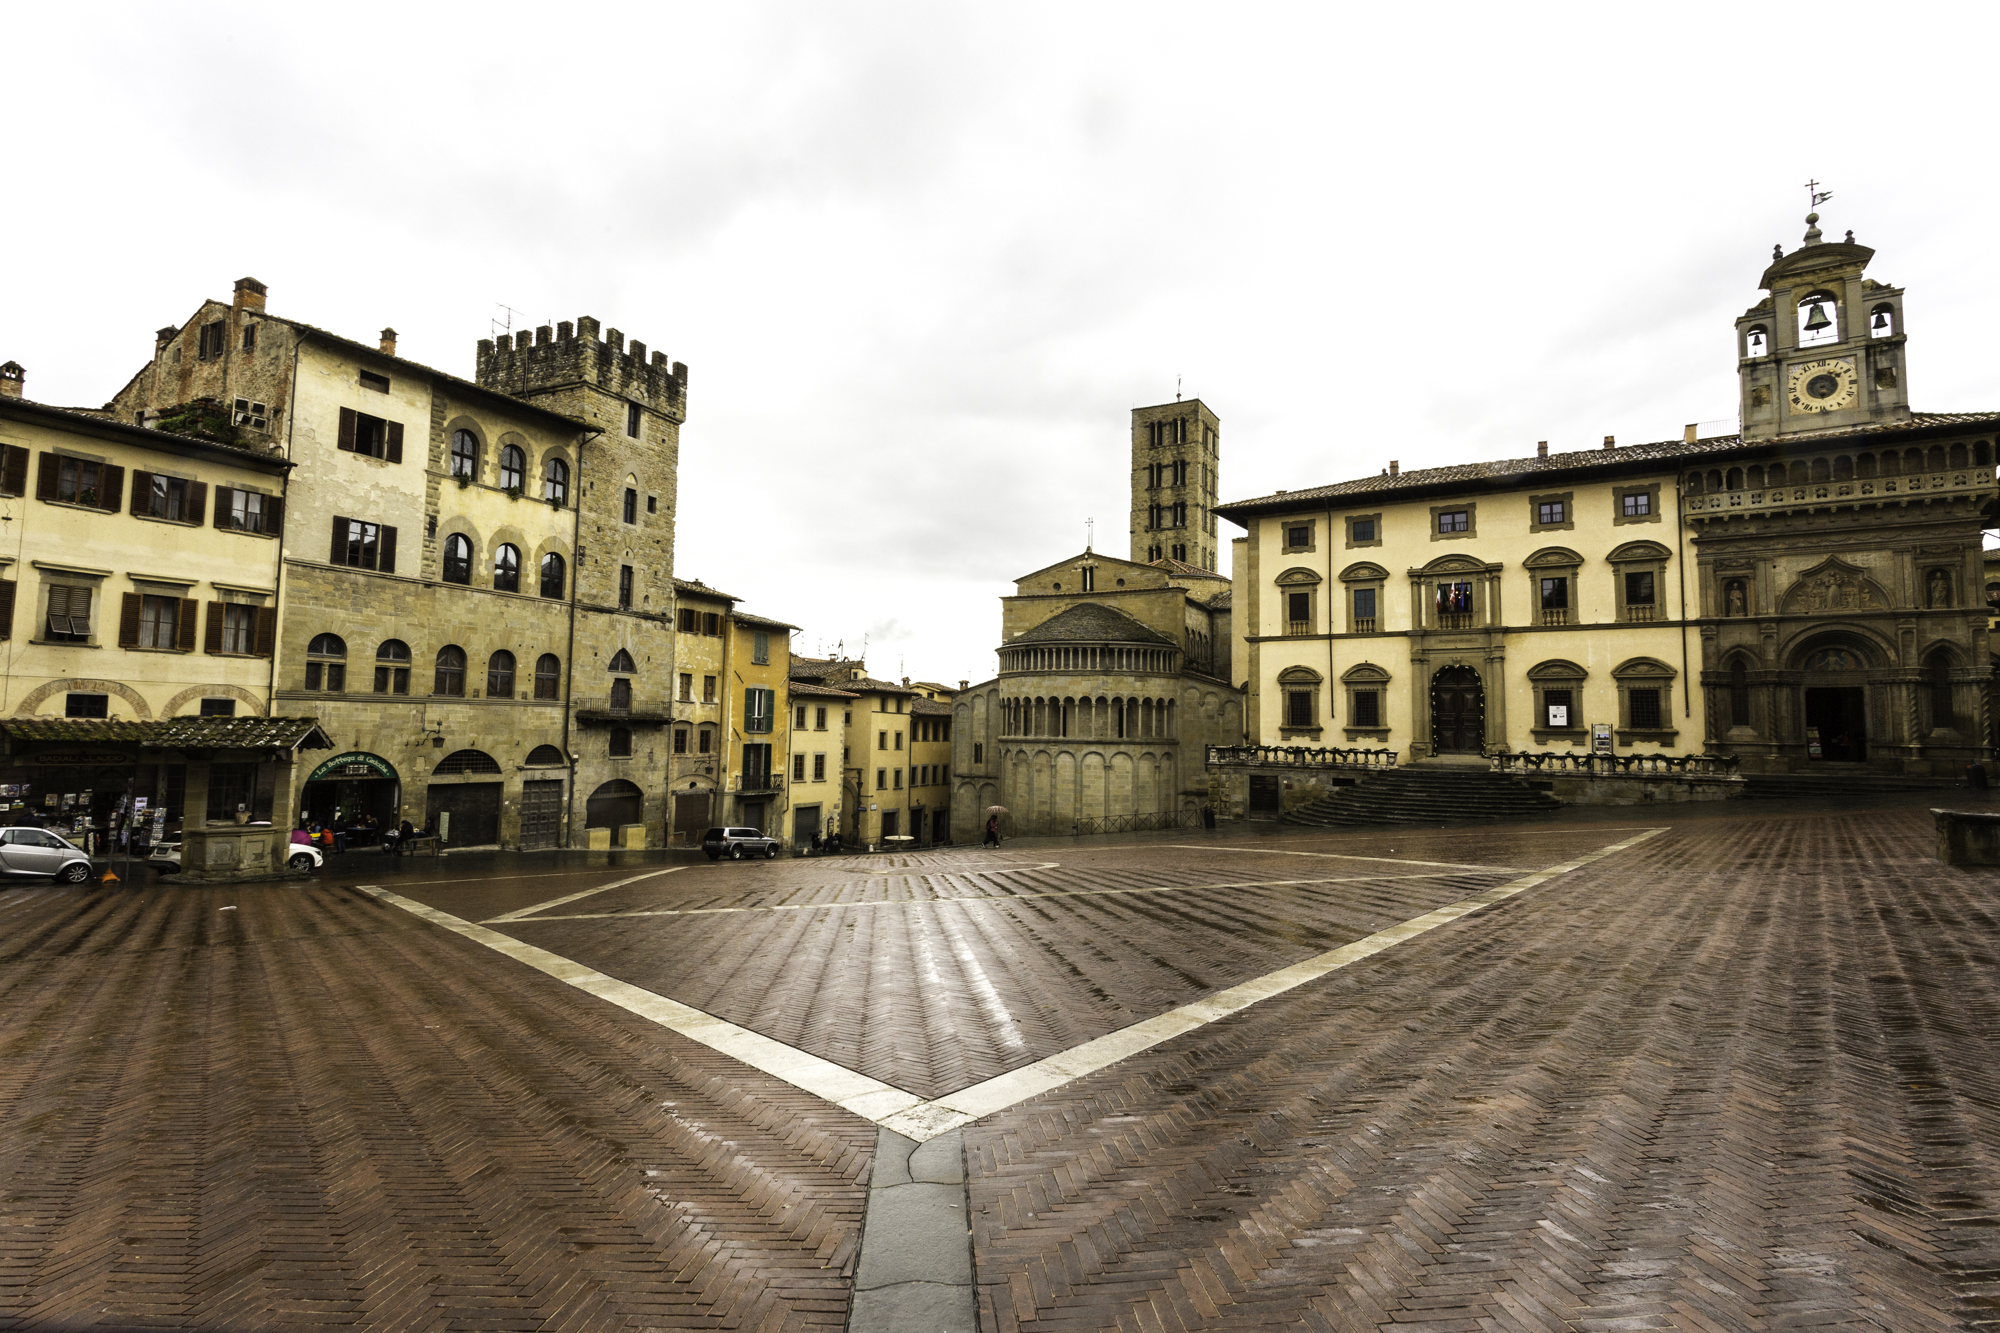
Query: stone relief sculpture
x,y
1835,586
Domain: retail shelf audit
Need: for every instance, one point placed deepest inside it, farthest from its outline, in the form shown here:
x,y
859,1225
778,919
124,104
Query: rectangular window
x,y
800,715
652,504
1454,520
978,752
1454,599
249,337
819,719
1364,529
687,687
1367,708
1298,613
363,545
245,510
899,779
760,649
211,341
707,739
1552,512
1298,708
631,505
632,424
1639,589
1364,610
624,587
881,779
1298,536
159,622
1638,504
1645,709
711,624
899,740
79,482
69,614
87,705
393,679
239,626
690,620
1555,594
757,706
680,740
708,689
1557,708
165,497
370,380
819,768
218,708
361,433
798,768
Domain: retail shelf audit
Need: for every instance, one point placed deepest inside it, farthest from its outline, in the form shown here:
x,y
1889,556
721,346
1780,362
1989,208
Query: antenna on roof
x,y
506,325
1177,388
1089,534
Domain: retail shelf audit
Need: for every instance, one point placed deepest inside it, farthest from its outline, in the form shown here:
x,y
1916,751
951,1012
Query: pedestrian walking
x,y
992,831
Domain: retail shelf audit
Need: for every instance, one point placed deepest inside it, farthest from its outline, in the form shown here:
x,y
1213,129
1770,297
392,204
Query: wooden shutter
x,y
212,640
142,493
224,505
128,621
13,470
184,628
347,424
58,609
197,502
388,549
45,477
7,591
111,490
339,556
395,442
274,514
267,631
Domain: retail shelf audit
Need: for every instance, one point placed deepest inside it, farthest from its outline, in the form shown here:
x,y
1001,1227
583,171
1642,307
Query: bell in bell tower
x,y
1824,348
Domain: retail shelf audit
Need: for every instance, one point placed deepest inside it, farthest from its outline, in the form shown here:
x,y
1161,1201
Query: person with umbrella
x,y
993,813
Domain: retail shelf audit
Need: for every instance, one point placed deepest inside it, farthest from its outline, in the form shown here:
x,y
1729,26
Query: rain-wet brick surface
x,y
1739,1076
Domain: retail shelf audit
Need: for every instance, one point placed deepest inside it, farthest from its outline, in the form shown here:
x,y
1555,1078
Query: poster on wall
x,y
1558,715
1600,738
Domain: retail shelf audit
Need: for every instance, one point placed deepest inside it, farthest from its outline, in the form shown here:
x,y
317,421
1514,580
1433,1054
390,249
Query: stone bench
x,y
1968,837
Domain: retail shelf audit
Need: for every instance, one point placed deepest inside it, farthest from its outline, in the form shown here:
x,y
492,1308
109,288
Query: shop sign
x,y
83,758
354,764
1600,738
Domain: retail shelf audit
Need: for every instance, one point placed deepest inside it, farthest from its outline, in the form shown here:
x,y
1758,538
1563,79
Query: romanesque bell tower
x,y
1176,450
1823,351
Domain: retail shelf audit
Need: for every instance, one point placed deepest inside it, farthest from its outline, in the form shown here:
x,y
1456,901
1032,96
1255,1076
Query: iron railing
x,y
649,710
760,782
1299,756
1617,765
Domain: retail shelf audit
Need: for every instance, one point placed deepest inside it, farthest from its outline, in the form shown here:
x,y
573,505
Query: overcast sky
x,y
922,260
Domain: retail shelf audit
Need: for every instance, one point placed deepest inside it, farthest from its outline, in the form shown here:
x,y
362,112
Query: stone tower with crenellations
x,y
1176,455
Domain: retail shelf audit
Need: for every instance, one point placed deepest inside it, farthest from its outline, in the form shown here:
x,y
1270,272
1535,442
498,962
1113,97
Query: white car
x,y
166,857
36,851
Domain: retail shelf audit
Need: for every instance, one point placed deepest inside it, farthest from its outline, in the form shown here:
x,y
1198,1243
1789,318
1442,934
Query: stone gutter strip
x,y
914,1273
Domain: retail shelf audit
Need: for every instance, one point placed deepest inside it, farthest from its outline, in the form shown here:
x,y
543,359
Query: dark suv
x,y
737,843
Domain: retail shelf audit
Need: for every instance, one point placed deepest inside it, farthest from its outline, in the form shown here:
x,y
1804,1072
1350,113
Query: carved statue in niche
x,y
1734,598
1939,589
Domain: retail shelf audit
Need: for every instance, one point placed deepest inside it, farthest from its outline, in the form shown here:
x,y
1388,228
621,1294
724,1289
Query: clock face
x,y
1823,386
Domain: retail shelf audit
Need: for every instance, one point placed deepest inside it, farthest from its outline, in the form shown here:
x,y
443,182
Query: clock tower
x,y
1824,349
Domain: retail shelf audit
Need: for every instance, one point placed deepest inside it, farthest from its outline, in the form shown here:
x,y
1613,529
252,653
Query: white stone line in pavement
x,y
955,1110
1008,868
570,898
985,898
866,1097
1343,856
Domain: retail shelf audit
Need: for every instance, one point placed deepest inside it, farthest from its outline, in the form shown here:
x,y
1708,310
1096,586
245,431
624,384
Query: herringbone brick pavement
x,y
1741,1077
310,1109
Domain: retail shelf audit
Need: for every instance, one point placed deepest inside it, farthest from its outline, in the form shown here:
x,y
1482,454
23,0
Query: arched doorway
x,y
1458,712
356,791
614,805
1834,698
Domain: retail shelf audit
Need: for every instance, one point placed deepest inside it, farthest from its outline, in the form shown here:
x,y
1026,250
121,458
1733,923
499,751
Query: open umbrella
x,y
996,809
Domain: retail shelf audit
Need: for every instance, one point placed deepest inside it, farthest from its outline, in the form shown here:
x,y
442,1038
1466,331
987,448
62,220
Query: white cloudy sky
x,y
923,258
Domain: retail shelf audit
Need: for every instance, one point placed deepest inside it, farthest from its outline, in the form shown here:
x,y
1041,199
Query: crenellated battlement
x,y
530,365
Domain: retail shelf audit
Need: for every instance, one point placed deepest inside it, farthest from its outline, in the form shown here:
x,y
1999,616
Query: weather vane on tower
x,y
1819,196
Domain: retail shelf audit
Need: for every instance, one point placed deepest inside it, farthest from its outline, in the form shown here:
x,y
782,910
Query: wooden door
x,y
1458,711
541,814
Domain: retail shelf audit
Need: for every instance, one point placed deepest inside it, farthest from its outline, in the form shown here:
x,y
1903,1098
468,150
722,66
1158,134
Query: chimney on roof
x,y
1611,442
388,342
1395,467
161,337
1687,433
249,294
965,684
11,376
1541,448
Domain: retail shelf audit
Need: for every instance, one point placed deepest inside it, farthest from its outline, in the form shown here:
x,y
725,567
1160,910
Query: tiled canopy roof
x,y
175,733
1531,471
1089,622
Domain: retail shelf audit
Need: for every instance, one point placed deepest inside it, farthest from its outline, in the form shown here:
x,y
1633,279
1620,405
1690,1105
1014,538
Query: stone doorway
x,y
1458,712
1840,717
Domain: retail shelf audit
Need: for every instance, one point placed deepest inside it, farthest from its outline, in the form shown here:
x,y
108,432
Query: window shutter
x,y
45,477
184,629
58,609
13,470
395,442
128,621
274,514
7,591
212,640
223,505
142,486
267,631
339,556
197,502
347,425
388,549
112,490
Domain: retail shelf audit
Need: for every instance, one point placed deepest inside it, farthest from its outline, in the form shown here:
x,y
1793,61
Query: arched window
x,y
555,480
464,454
392,667
552,576
621,663
507,568
616,803
1819,319
326,663
457,559
513,468
543,756
500,675
450,679
621,743
1756,340
548,677
467,761
1882,321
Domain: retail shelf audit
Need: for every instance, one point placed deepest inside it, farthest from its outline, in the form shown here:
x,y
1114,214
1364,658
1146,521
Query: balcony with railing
x,y
623,709
1553,616
1298,628
759,782
1364,624
1456,620
1640,613
1975,481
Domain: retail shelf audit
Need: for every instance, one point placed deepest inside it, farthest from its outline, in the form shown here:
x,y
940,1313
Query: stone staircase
x,y
1426,795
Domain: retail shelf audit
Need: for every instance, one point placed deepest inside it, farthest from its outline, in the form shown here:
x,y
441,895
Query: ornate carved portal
x,y
1458,712
1834,585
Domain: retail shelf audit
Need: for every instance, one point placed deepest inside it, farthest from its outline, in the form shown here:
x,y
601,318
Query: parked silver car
x,y
36,851
737,843
166,857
